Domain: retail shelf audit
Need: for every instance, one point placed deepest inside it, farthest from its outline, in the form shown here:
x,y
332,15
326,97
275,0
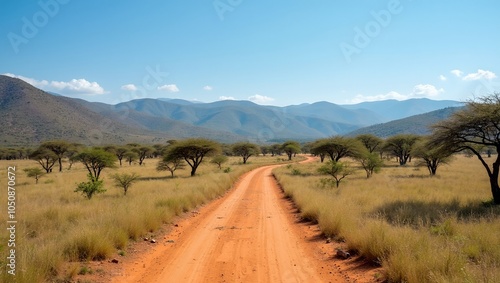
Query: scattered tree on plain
x,y
170,164
34,172
91,187
219,160
290,148
370,161
130,156
371,142
337,147
478,124
401,146
45,157
59,148
431,156
245,150
193,151
337,169
124,181
95,160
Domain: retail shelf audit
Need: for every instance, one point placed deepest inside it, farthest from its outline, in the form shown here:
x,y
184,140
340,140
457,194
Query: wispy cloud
x,y
457,73
129,87
442,78
74,86
419,91
425,90
208,88
226,98
169,88
479,75
260,99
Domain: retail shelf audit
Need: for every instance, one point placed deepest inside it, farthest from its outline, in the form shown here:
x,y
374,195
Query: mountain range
x,y
31,116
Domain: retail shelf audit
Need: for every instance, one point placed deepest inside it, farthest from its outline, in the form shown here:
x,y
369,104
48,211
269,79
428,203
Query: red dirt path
x,y
252,234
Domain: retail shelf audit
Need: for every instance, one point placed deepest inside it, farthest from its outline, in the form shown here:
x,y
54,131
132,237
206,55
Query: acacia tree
x,y
34,172
170,164
290,148
371,142
143,152
95,160
45,157
59,148
219,160
401,146
338,170
337,147
124,181
245,150
370,161
478,124
120,153
431,156
192,151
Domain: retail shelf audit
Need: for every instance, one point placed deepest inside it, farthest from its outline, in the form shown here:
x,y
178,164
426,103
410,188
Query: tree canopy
x,y
95,160
245,150
192,151
401,146
477,125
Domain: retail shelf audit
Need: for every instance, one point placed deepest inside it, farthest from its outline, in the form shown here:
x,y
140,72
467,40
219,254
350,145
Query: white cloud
x,y
481,74
129,87
443,78
74,86
208,88
169,88
422,90
260,99
419,91
226,98
457,72
390,95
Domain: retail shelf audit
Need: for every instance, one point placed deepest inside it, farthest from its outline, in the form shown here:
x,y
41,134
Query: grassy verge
x,y
420,229
56,225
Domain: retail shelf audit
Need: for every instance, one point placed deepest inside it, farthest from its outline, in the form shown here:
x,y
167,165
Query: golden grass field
x,y
420,229
56,225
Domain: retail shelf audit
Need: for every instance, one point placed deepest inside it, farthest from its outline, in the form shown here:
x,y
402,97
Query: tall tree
x,y
370,161
45,157
171,164
431,156
95,160
371,142
401,146
290,148
478,124
59,148
337,147
192,151
245,150
120,153
143,152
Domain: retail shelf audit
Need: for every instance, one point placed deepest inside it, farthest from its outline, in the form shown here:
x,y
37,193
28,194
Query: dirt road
x,y
249,235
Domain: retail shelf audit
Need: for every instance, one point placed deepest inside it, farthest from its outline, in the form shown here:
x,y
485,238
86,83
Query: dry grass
x,y
56,225
420,229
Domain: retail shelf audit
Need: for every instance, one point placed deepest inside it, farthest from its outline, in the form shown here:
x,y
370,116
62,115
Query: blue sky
x,y
270,52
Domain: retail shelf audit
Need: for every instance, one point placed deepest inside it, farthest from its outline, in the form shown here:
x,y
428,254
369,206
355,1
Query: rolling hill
x,y
31,116
417,124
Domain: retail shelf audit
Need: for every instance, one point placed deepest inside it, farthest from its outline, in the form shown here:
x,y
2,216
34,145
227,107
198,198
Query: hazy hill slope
x,y
252,120
418,124
389,110
31,116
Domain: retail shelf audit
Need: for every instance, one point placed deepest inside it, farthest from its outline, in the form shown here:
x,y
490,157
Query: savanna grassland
x,y
419,228
57,225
